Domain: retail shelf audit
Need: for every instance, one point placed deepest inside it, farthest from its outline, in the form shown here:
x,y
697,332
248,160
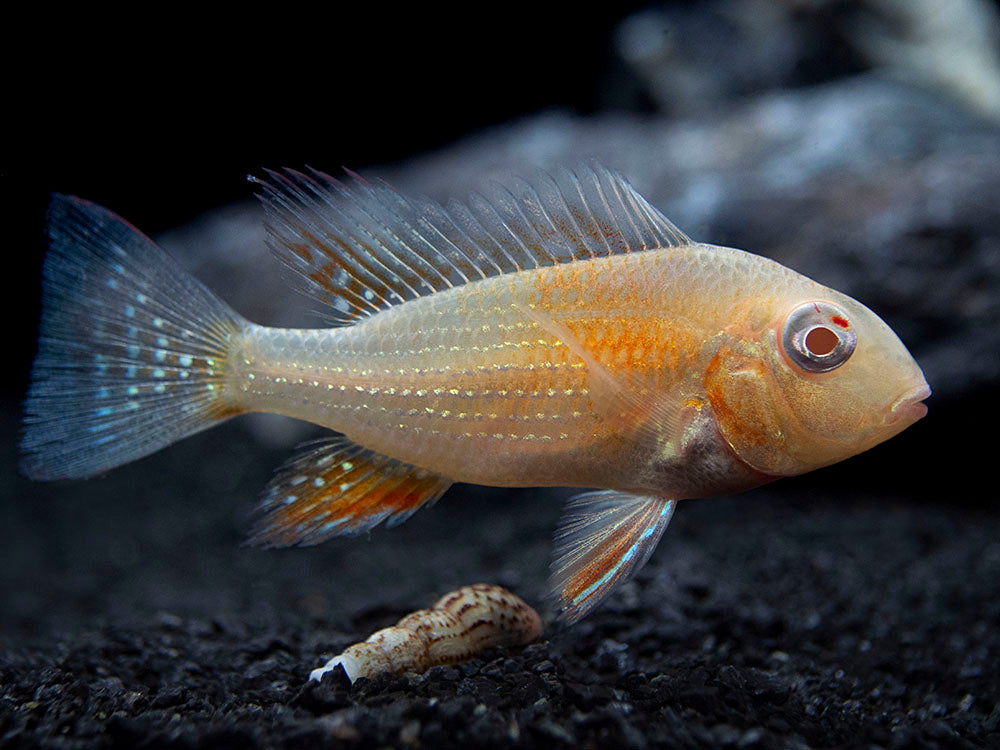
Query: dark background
x,y
161,117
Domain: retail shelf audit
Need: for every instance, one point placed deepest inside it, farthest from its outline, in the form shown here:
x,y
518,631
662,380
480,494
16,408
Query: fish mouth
x,y
908,407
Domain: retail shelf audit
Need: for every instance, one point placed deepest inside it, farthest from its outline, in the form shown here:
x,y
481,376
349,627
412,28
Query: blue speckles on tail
x,y
131,351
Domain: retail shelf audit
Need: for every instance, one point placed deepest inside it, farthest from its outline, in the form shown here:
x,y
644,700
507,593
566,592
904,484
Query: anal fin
x,y
603,539
338,488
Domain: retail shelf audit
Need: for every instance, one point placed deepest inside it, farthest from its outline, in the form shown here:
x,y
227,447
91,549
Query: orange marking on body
x,y
727,416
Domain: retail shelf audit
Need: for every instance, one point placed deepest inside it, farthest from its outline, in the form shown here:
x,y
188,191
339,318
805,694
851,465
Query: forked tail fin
x,y
132,349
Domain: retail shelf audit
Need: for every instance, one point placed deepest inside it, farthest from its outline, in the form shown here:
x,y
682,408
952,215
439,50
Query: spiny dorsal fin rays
x,y
356,260
559,224
360,247
479,216
337,254
292,238
437,234
321,189
457,221
380,210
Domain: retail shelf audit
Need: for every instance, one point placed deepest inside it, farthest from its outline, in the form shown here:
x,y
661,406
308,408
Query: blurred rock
x,y
689,58
948,44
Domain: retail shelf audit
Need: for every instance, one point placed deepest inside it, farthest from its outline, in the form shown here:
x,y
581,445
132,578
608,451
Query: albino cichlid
x,y
560,332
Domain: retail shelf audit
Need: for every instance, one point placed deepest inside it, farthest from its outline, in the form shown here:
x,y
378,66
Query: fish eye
x,y
818,337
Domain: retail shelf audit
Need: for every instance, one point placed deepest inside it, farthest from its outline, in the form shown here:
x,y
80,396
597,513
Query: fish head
x,y
820,378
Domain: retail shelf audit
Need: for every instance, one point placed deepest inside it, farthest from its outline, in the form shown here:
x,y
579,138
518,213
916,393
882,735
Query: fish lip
x,y
909,404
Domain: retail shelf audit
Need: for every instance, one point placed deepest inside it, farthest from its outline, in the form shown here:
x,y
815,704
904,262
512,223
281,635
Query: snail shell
x,y
459,626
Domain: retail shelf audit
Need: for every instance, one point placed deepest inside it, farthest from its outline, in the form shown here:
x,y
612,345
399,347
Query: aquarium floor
x,y
789,617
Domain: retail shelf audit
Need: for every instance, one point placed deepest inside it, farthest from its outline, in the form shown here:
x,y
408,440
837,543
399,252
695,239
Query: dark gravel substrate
x,y
790,617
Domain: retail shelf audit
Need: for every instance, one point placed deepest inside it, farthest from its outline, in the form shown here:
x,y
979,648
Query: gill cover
x,y
740,391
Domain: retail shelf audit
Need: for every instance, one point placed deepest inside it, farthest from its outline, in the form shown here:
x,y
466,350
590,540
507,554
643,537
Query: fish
x,y
556,331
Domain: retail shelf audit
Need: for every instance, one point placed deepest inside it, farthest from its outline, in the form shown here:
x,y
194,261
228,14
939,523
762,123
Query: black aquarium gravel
x,y
792,617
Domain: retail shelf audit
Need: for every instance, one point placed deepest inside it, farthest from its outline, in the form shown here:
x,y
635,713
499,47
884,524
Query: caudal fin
x,y
131,353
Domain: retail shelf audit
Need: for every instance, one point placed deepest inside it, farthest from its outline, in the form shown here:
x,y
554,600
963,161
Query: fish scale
x,y
440,392
427,400
556,332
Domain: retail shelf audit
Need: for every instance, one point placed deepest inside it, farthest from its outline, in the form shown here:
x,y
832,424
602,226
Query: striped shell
x,y
459,626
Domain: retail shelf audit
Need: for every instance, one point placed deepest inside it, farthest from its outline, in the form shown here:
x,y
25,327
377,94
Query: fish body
x,y
475,383
559,333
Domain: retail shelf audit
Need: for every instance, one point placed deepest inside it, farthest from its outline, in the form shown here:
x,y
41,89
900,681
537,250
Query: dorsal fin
x,y
361,247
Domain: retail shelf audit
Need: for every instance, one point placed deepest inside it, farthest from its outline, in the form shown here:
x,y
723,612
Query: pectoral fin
x,y
603,539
